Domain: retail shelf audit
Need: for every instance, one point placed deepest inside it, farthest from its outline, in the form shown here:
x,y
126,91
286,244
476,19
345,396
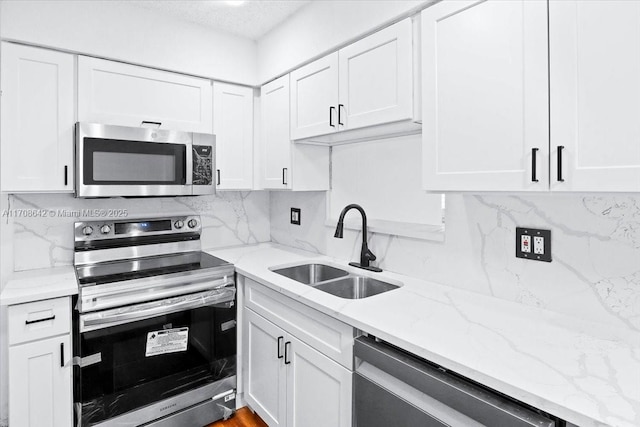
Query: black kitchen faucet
x,y
365,254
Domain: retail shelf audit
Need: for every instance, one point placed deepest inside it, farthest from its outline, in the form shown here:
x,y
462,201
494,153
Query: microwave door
x,y
110,165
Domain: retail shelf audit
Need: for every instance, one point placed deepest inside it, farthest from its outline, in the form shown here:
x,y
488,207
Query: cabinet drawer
x,y
37,320
324,333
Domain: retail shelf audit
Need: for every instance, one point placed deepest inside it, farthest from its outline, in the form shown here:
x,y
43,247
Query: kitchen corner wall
x,y
595,272
228,218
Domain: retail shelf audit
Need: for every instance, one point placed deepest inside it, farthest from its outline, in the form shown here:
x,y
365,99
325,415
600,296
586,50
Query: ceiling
x,y
252,19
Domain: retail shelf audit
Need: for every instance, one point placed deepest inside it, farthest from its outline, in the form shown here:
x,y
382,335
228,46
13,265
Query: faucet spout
x,y
366,256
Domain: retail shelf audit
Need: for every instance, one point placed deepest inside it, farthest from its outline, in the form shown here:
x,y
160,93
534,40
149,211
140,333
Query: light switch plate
x,y
538,243
295,216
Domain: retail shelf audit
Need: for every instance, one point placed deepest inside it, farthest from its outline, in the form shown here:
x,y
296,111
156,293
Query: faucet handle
x,y
370,256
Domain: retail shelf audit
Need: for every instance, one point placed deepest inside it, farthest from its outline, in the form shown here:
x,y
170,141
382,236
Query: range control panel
x,y
124,228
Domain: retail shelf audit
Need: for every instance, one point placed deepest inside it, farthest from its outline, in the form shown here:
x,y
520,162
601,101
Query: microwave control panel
x,y
202,165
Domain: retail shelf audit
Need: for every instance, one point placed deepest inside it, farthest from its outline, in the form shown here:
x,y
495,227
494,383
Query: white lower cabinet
x,y
288,383
297,362
40,371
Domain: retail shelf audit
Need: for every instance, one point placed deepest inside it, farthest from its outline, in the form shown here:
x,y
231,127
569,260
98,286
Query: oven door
x,y
123,161
143,362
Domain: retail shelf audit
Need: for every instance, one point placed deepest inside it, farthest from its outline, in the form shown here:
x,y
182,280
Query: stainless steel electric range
x,y
154,325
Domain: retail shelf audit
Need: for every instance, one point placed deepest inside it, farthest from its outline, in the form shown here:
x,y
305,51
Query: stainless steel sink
x,y
310,274
356,287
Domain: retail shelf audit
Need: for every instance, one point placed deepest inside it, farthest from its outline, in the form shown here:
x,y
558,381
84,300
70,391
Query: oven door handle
x,y
223,298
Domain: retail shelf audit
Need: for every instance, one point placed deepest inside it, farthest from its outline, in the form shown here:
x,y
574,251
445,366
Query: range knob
x,y
192,223
178,224
105,229
87,230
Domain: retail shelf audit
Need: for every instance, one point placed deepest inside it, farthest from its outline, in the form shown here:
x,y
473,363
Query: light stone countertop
x,y
586,373
35,285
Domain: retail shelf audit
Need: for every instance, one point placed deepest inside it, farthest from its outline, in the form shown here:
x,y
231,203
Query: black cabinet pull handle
x,y
218,174
280,339
29,322
286,353
144,122
560,148
340,107
331,116
534,165
62,355
66,175
284,176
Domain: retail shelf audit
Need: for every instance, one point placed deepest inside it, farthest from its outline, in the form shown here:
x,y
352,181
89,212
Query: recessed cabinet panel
x,y
275,143
37,119
121,94
40,383
595,82
266,385
485,95
376,78
314,95
233,127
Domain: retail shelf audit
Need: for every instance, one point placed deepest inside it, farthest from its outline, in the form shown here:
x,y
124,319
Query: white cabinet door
x,y
121,94
319,391
233,127
595,102
37,119
41,393
485,95
265,379
275,145
376,78
314,98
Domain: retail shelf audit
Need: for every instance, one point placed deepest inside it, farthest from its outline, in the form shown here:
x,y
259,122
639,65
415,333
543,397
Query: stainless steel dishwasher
x,y
395,388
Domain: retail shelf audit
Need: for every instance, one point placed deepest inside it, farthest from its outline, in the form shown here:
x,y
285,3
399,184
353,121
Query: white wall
x,y
320,27
116,30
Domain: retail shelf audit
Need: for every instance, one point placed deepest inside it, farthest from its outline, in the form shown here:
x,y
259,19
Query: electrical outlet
x,y
295,216
541,240
538,245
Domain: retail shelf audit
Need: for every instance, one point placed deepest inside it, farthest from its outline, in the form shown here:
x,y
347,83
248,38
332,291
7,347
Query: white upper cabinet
x,y
367,83
233,127
314,98
595,88
485,95
376,78
275,142
121,94
37,119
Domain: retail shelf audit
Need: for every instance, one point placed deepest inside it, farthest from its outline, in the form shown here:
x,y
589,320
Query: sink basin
x,y
310,274
355,287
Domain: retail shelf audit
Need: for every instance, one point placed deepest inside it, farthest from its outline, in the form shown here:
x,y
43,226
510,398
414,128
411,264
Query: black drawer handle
x,y
340,107
66,175
29,322
331,116
144,122
534,166
286,353
560,148
62,355
280,339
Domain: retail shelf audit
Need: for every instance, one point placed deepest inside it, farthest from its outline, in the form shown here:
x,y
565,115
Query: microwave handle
x,y
223,298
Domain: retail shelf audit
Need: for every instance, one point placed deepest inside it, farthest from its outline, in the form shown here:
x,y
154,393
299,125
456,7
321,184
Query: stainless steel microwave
x,y
136,162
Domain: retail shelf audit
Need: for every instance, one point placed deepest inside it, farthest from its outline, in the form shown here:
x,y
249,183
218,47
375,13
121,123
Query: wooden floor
x,y
242,418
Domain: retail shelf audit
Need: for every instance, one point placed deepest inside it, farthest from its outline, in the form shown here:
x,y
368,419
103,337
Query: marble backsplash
x,y
228,218
595,272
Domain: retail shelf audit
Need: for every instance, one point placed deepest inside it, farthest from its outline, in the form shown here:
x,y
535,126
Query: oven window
x,y
116,162
135,364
